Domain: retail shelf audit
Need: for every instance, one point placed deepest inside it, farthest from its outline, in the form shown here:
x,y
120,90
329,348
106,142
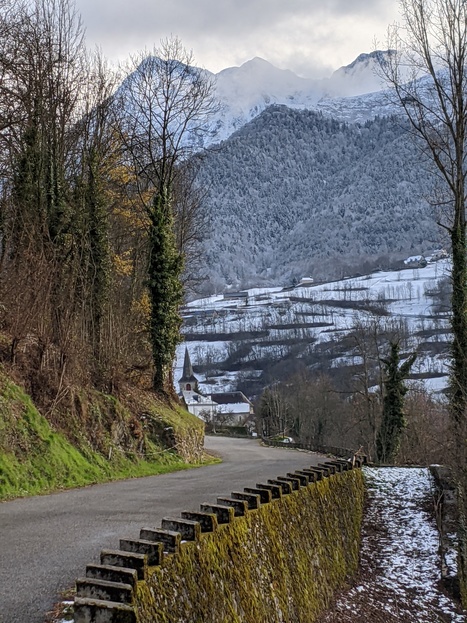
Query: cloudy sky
x,y
311,37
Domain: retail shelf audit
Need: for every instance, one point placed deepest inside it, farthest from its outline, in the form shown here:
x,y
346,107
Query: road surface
x,y
46,541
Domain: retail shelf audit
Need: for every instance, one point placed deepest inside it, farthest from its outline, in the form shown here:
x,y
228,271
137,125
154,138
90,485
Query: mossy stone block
x,y
118,558
240,506
294,482
189,529
276,490
285,486
207,521
112,574
154,551
252,499
98,611
265,495
303,478
225,514
104,590
170,540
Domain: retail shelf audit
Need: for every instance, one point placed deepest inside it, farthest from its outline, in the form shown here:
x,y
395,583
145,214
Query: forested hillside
x,y
295,193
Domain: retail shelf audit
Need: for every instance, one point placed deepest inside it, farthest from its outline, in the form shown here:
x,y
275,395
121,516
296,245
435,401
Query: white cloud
x,y
308,36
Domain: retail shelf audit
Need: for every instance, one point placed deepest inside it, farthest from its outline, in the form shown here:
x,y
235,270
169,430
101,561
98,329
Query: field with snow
x,y
239,338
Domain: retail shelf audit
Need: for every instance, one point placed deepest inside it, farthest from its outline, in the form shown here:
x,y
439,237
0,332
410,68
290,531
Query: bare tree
x,y
191,224
367,342
428,74
273,412
426,438
166,103
41,65
316,407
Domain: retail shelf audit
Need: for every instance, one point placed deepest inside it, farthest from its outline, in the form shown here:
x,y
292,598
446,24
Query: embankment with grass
x,y
91,437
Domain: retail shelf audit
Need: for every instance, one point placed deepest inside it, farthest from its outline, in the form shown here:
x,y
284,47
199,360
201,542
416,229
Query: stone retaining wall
x,y
271,553
334,450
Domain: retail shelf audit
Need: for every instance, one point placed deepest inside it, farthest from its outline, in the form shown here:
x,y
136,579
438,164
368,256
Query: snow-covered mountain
x,y
358,78
245,91
297,186
352,93
315,171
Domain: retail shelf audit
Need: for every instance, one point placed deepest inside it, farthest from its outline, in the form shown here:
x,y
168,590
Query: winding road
x,y
46,541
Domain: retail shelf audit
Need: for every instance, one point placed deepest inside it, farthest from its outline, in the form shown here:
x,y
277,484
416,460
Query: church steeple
x,y
188,380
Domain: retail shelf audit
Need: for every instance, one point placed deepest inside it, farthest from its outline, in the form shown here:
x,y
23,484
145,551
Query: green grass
x,y
177,417
35,460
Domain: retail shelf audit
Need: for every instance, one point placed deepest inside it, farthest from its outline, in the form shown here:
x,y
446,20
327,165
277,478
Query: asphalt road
x,y
46,541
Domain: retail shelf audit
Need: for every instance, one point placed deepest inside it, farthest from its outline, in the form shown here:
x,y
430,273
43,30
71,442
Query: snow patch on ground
x,y
400,571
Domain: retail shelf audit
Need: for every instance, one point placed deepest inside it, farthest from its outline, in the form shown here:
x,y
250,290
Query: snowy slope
x,y
299,193
400,563
358,78
230,338
245,91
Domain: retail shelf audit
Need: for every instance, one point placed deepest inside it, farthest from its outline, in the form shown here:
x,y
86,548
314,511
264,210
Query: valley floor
x,y
399,577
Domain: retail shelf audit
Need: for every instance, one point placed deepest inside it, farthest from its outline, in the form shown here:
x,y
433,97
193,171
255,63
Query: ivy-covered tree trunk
x,y
28,196
165,291
393,421
458,384
97,278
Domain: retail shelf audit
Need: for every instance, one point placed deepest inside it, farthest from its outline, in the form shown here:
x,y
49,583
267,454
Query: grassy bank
x,y
106,442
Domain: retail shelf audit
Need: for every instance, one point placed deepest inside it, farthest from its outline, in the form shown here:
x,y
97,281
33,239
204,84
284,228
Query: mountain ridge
x,y
298,178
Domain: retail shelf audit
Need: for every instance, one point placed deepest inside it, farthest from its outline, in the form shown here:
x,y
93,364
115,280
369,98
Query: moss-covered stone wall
x,y
281,561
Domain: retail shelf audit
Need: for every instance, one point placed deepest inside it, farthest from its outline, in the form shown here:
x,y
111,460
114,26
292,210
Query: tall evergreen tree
x,y
393,419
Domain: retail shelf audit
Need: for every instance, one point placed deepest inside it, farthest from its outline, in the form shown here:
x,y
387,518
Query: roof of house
x,y
194,398
226,398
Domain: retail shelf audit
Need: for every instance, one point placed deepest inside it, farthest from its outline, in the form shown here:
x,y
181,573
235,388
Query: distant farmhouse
x,y
420,261
237,297
227,408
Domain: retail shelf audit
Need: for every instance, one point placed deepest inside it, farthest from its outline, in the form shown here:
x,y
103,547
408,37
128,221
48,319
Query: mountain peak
x,y
257,61
376,57
262,68
360,76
